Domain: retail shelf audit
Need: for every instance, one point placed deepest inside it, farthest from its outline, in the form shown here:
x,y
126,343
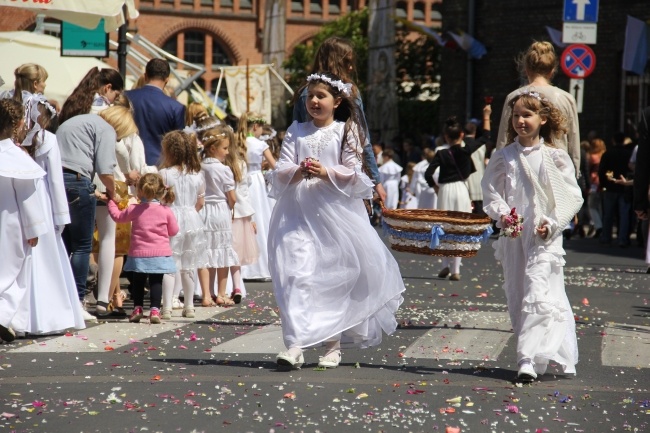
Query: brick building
x,y
613,98
229,32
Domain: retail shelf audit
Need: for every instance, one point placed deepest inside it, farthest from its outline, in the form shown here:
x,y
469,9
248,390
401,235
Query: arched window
x,y
400,9
195,50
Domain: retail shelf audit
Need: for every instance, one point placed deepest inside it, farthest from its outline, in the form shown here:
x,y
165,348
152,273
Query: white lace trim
x,y
425,225
444,245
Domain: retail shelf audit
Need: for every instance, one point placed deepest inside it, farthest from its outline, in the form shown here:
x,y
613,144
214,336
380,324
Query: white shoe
x,y
286,359
331,360
188,313
87,316
166,314
177,304
526,372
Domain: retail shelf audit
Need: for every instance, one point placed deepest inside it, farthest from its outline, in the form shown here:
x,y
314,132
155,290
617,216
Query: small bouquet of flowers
x,y
306,163
513,224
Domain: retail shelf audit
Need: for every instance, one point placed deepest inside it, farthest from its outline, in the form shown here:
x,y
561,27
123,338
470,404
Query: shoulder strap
x,y
451,154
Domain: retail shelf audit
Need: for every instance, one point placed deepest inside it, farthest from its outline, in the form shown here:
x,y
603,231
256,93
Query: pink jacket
x,y
152,226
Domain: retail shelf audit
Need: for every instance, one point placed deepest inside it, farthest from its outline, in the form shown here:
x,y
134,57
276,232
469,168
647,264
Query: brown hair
x,y
597,146
538,59
335,55
26,75
81,99
179,150
152,187
11,113
555,125
452,129
195,111
275,143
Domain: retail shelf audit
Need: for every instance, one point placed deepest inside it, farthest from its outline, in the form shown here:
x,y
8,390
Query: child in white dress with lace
x,y
335,282
181,169
538,180
390,173
217,214
257,151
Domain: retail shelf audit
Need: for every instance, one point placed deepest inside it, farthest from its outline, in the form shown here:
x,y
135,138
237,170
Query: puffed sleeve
x,y
287,165
201,189
348,177
493,185
228,181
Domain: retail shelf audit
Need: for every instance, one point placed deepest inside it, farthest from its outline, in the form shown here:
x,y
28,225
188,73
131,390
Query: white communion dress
x,y
540,183
332,274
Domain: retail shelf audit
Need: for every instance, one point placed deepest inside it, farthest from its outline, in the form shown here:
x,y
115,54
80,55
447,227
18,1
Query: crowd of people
x,y
197,206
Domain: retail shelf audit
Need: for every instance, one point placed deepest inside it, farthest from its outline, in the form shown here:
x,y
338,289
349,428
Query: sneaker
x,y
177,304
87,316
7,334
166,314
454,277
331,360
285,359
526,372
136,315
154,316
443,273
188,312
236,296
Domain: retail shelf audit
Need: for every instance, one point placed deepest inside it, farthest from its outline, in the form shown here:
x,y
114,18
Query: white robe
x,y
21,218
390,173
51,304
539,309
426,195
332,274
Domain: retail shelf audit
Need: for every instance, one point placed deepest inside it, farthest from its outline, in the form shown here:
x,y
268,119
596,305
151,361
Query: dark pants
x,y
155,289
78,235
615,203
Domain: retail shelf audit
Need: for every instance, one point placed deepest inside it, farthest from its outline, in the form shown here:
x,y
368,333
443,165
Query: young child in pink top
x,y
150,253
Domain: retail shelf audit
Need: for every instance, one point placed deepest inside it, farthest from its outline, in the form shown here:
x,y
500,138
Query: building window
x,y
315,7
167,3
400,10
226,4
335,7
418,11
297,6
245,4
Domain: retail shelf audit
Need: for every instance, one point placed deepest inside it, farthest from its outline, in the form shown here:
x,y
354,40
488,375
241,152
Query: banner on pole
x,y
259,90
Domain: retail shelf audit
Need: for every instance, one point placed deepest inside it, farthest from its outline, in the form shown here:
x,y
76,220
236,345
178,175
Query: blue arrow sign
x,y
581,10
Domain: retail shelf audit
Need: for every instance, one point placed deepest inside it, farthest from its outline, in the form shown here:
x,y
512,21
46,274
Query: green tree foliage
x,y
352,26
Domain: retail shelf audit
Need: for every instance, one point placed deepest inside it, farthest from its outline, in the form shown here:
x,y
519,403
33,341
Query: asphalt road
x,y
449,366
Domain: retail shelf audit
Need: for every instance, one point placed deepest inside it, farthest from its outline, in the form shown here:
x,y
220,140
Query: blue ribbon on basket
x,y
486,233
436,232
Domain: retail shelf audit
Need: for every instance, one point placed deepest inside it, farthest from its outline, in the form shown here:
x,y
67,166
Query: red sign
x,y
578,61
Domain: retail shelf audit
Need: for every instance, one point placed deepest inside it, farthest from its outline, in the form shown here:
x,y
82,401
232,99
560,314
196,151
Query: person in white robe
x,y
51,303
539,182
426,195
22,217
390,173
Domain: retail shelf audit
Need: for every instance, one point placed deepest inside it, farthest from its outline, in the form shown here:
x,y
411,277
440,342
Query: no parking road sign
x,y
578,61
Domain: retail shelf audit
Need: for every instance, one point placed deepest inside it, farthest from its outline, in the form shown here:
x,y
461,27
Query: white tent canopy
x,y
84,13
64,73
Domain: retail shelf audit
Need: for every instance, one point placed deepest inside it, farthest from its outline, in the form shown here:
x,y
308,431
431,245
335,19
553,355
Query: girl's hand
x,y
32,242
542,231
504,221
254,227
132,177
316,169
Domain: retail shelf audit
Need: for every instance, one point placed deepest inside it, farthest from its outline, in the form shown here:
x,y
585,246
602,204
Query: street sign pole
x,y
577,87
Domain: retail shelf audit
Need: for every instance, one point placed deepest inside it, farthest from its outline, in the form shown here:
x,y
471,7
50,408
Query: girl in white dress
x,y
217,214
21,215
51,304
390,173
334,280
538,180
181,169
250,128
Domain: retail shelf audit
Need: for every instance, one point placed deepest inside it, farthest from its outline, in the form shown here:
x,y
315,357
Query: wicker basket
x,y
436,232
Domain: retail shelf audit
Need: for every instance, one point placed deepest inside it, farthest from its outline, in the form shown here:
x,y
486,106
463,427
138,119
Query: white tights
x,y
106,257
181,279
453,263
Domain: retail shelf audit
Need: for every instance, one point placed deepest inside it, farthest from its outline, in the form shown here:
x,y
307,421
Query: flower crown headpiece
x,y
215,122
213,137
256,119
269,136
346,88
533,94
